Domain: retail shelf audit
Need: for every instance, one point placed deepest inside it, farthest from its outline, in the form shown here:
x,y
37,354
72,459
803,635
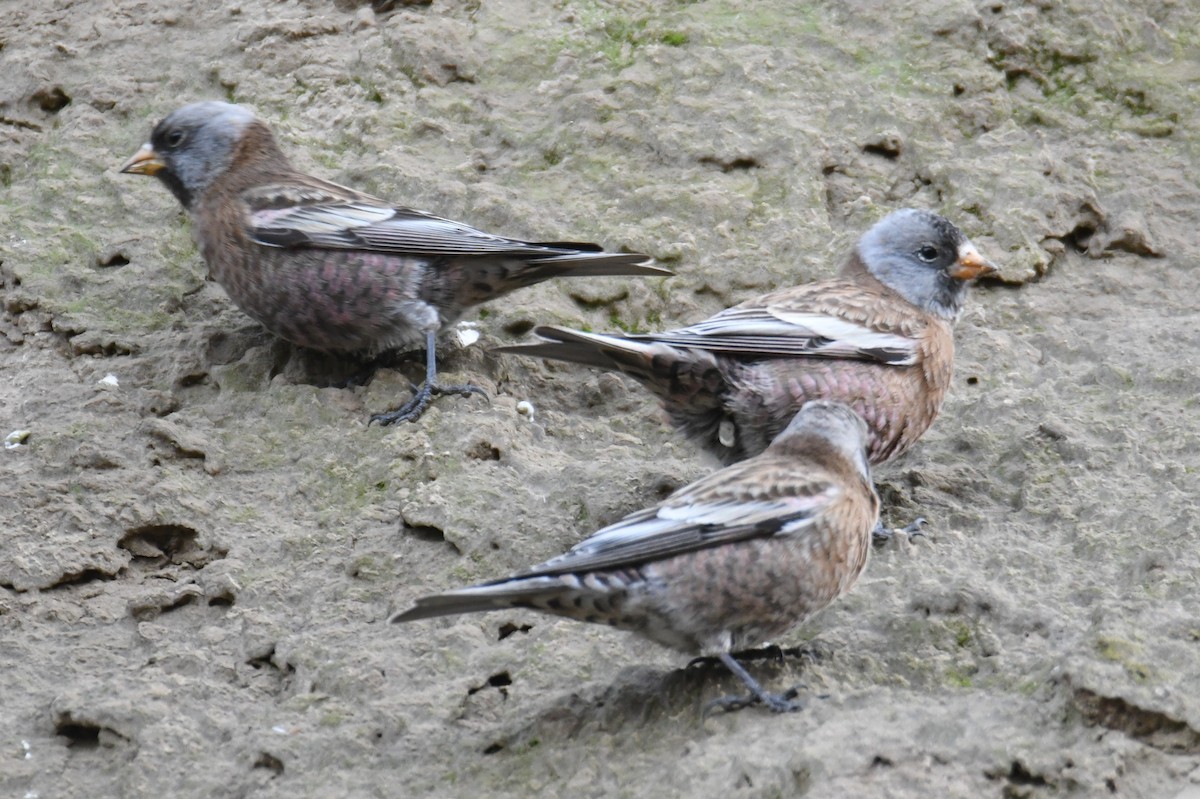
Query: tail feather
x,y
590,349
582,246
690,382
591,264
475,280
529,592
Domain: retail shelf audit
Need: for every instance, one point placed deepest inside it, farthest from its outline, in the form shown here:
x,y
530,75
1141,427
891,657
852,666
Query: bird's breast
x,y
328,300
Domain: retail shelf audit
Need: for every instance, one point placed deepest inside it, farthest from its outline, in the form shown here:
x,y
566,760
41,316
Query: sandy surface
x,y
196,563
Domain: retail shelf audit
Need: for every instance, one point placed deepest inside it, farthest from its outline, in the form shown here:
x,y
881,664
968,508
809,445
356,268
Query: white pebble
x,y
15,439
466,336
109,380
726,433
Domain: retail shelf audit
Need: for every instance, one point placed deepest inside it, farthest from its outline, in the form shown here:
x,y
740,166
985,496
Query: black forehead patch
x,y
943,228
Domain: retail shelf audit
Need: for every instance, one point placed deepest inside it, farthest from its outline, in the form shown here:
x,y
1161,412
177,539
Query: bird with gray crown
x,y
877,337
721,565
330,268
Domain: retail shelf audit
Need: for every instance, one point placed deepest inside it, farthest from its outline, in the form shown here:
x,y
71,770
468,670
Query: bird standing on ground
x,y
722,564
877,337
331,268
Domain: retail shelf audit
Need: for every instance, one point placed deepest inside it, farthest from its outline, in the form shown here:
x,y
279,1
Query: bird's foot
x,y
776,703
785,702
913,530
411,411
464,390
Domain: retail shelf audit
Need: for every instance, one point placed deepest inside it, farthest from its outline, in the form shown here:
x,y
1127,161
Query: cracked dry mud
x,y
197,562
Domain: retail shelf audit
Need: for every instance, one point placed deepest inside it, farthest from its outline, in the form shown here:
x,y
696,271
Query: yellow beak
x,y
144,162
971,264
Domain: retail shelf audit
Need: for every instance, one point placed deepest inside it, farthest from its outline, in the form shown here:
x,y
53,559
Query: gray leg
x,y
777,703
411,411
881,533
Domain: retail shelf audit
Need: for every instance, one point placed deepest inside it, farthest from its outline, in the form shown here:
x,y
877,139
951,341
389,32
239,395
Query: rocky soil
x,y
199,553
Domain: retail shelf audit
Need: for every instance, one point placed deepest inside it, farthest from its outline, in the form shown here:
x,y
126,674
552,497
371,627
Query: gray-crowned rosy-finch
x,y
877,337
328,267
723,564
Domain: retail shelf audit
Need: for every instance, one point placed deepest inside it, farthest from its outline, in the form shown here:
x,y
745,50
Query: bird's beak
x,y
971,264
144,162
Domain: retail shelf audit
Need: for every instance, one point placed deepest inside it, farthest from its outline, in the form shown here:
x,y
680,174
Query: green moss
x,y
243,514
673,38
958,679
372,567
650,322
369,88
331,718
1124,652
962,633
1029,687
754,24
302,702
115,318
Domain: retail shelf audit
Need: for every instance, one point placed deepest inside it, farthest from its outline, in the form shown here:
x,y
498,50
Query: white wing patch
x,y
362,225
849,338
779,332
335,218
731,512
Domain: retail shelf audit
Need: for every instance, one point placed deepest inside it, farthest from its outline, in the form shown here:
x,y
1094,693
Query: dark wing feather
x,y
325,218
706,514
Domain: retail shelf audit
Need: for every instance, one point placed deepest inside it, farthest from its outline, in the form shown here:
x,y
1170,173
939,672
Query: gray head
x,y
192,147
924,258
840,427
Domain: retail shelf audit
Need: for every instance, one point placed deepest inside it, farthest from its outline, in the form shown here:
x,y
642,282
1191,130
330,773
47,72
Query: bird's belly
x,y
897,403
744,593
333,301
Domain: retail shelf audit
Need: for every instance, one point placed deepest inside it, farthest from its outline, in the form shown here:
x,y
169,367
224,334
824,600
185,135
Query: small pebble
x,y
467,334
726,433
15,439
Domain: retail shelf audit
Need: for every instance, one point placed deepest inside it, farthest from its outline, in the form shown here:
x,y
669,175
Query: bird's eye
x,y
175,138
928,253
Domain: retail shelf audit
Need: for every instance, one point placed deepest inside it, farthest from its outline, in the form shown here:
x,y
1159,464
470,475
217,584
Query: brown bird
x,y
877,337
723,564
331,268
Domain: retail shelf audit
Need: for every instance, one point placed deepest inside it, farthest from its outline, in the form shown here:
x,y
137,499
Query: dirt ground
x,y
199,553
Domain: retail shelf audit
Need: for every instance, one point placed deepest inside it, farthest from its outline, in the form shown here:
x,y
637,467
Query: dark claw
x,y
776,703
408,412
465,390
411,411
881,533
